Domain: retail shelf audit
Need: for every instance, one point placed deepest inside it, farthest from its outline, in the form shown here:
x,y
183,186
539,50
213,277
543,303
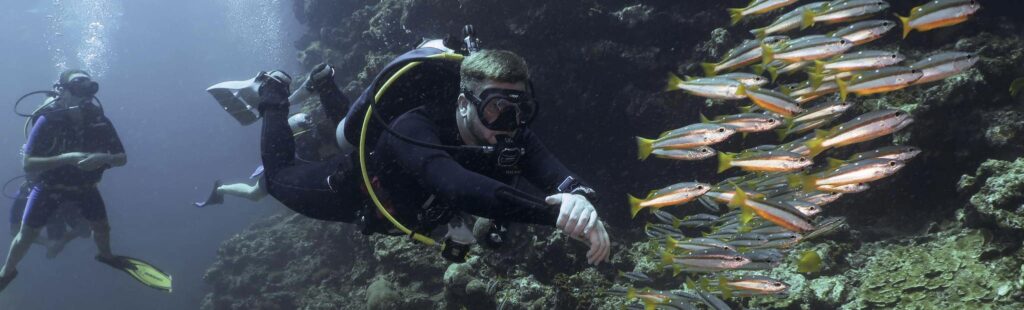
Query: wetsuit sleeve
x,y
41,138
455,185
540,166
335,102
110,138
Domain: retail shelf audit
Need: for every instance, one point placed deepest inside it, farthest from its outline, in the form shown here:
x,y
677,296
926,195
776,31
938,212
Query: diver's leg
x,y
251,192
277,147
38,209
95,211
19,247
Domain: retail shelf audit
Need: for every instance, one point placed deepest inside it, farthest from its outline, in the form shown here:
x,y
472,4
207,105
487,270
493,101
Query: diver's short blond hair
x,y
496,65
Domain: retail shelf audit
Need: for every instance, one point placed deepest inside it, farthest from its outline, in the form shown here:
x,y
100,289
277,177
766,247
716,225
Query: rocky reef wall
x,y
945,232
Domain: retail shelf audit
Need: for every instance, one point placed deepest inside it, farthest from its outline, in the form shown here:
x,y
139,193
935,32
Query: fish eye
x,y
802,159
771,121
703,150
700,186
721,129
893,56
738,259
892,164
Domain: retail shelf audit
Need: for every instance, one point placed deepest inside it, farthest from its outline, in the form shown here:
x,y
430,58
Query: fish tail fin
x,y
767,54
746,215
808,183
630,293
793,181
735,15
774,72
739,199
834,163
743,136
782,133
673,82
644,147
670,243
709,68
747,109
806,19
1016,86
816,79
634,206
704,119
759,33
816,144
741,90
725,161
906,25
758,69
786,89
843,89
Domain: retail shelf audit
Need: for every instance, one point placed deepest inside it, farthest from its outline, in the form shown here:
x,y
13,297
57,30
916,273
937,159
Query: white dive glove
x,y
578,218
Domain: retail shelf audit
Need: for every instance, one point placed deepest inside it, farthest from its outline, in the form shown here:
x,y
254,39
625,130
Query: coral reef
x,y
944,233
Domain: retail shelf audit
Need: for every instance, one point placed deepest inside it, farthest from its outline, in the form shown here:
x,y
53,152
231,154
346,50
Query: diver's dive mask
x,y
503,109
82,87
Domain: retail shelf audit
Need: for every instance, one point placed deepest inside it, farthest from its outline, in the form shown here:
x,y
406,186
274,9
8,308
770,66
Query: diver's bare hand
x,y
600,245
94,161
576,216
72,158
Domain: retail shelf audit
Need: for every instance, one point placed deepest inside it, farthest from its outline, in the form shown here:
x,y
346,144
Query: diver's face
x,y
473,124
71,98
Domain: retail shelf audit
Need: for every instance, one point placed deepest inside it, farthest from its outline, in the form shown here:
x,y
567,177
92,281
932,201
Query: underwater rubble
x,y
946,232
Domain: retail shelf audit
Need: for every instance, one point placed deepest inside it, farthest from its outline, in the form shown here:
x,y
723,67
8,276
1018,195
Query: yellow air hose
x,y
362,147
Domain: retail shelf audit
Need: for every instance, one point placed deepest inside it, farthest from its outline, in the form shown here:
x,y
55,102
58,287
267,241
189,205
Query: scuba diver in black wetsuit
x,y
462,150
70,146
310,131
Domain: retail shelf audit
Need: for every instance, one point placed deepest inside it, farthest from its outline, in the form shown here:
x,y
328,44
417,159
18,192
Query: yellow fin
x,y
906,25
758,68
723,286
725,161
834,163
816,79
735,15
1016,86
773,72
634,205
843,86
808,262
670,243
709,69
644,147
704,119
741,90
806,19
630,293
759,33
673,82
739,199
767,54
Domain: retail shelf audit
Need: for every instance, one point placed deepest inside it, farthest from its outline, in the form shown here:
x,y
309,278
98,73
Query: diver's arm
x,y
545,171
334,102
40,137
115,156
471,192
42,164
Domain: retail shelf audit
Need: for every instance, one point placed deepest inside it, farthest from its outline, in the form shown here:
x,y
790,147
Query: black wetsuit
x,y
57,132
466,181
305,186
409,175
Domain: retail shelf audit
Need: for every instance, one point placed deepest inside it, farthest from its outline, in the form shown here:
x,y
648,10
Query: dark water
x,y
159,57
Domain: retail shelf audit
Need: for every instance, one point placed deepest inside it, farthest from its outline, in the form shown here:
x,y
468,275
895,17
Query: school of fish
x,y
750,222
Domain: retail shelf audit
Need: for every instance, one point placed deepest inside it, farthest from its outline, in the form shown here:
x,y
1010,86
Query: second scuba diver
x,y
312,129
70,145
429,186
